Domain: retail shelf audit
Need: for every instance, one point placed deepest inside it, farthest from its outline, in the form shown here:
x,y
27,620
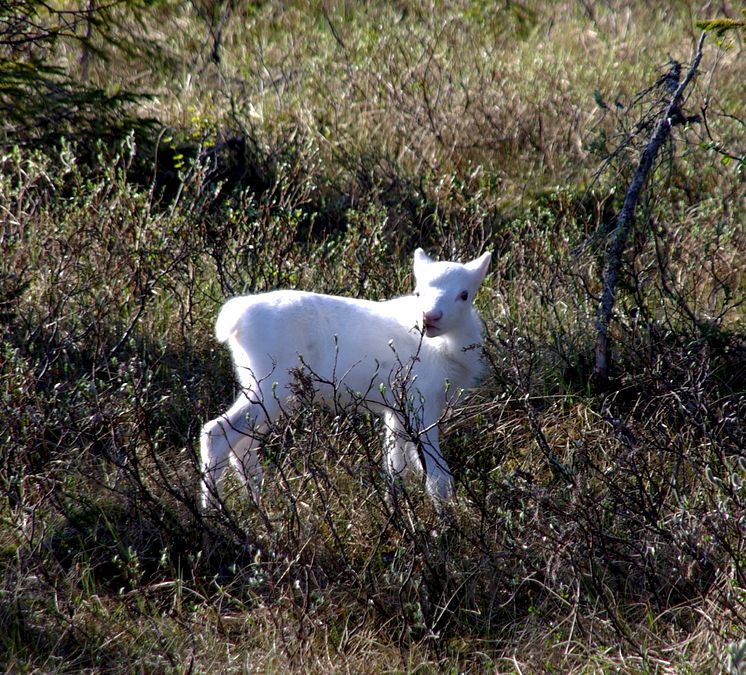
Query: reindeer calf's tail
x,y
229,318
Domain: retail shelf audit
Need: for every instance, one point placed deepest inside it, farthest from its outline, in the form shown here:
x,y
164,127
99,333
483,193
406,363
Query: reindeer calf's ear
x,y
480,265
421,258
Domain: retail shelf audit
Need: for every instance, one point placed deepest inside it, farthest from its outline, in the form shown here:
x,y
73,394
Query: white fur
x,y
406,359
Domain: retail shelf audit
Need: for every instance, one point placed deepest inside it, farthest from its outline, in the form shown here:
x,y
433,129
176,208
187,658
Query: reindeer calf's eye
x,y
416,294
464,295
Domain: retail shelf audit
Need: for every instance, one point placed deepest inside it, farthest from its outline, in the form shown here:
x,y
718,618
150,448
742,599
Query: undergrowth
x,y
316,149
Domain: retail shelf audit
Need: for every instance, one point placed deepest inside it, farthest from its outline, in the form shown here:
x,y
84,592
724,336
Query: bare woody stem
x,y
625,219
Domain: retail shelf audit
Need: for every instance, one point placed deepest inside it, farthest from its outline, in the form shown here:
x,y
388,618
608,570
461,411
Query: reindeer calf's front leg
x,y
438,477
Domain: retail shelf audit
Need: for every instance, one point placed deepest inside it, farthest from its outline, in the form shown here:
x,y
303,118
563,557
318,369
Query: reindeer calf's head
x,y
445,291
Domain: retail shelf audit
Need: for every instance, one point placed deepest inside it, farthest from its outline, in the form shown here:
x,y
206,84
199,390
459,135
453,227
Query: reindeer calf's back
x,y
335,337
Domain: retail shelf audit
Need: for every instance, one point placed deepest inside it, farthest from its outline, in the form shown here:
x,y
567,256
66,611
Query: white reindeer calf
x,y
407,359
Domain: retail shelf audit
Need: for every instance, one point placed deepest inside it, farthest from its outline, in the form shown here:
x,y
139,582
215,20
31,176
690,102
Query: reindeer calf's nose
x,y
432,317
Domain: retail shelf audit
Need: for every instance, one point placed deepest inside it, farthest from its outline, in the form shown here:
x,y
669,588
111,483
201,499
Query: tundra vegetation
x,y
160,157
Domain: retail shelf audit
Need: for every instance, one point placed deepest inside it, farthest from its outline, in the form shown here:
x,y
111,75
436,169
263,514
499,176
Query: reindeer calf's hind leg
x,y
226,439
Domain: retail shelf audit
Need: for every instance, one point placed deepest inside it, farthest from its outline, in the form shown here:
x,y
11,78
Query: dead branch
x,y
671,116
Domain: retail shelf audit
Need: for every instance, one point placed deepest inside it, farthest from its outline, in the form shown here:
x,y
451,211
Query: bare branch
x,y
625,219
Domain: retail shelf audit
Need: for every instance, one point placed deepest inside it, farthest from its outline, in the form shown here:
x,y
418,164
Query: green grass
x,y
593,531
